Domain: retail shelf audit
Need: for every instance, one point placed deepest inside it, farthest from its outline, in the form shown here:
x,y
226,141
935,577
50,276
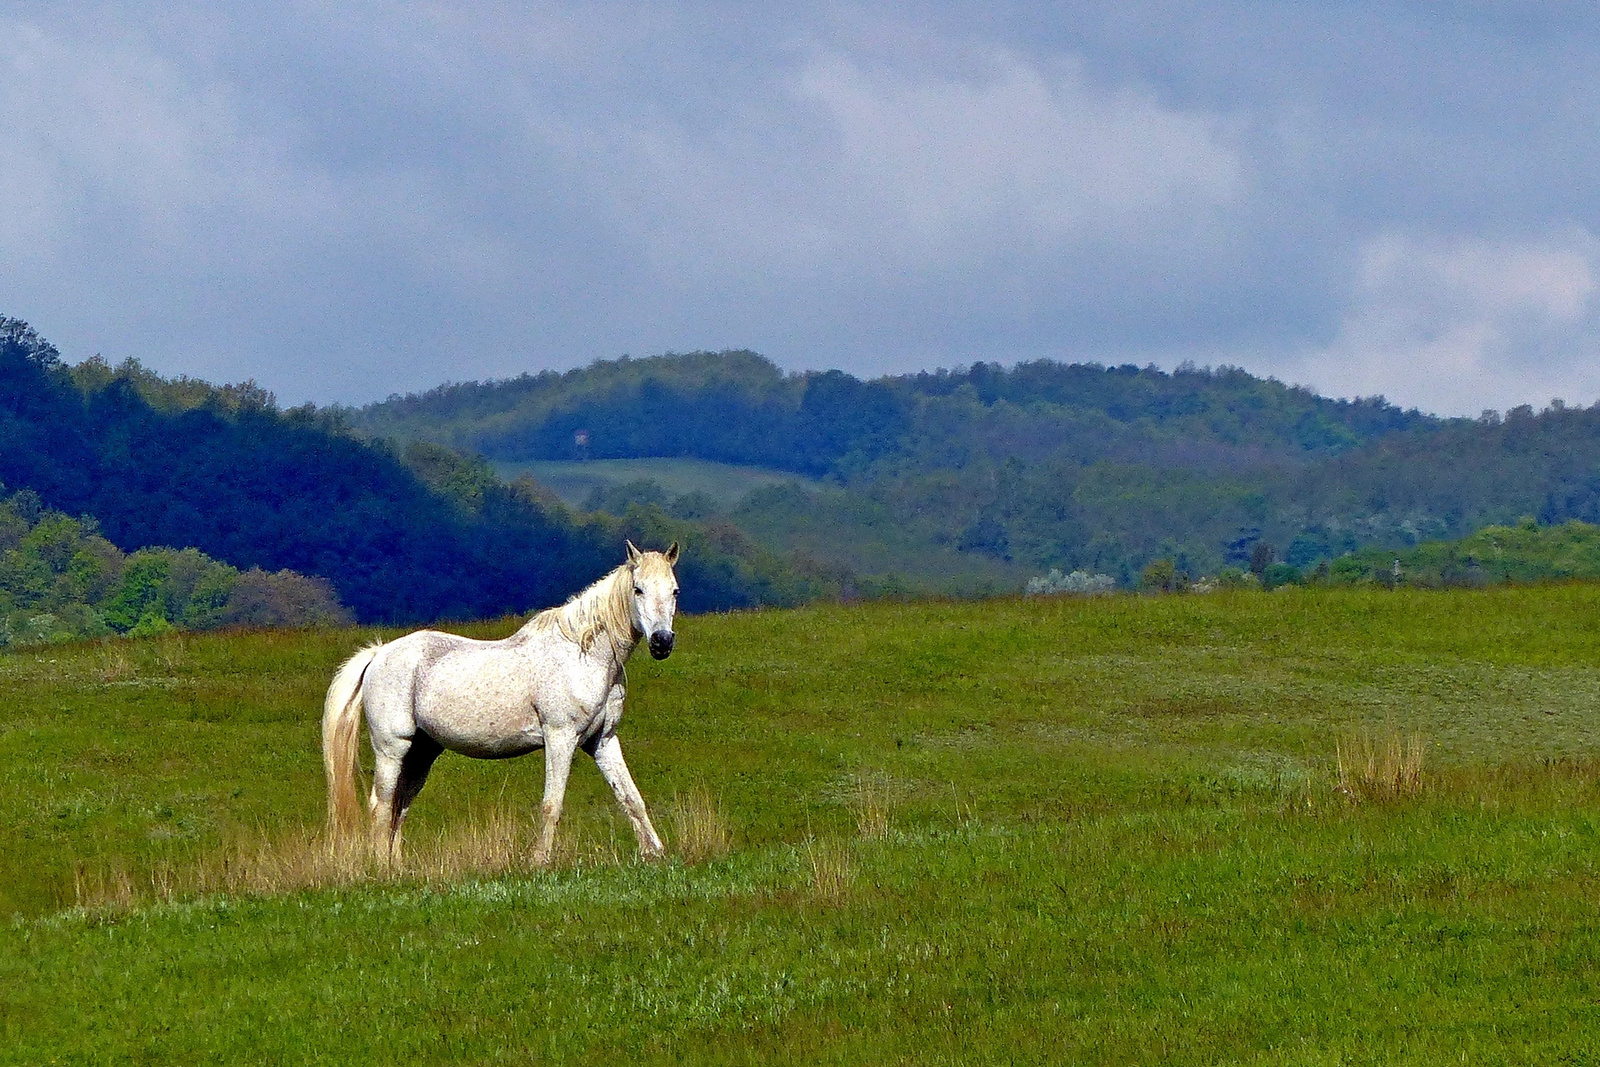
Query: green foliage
x,y
172,395
577,483
1274,575
61,581
1161,576
418,536
1526,552
467,480
999,474
1113,837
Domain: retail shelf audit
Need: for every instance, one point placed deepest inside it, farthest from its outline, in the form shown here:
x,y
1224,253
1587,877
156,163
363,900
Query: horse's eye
x,y
637,591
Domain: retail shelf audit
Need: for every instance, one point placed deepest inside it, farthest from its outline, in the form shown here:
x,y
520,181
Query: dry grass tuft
x,y
109,890
1380,768
487,844
873,808
115,664
172,653
699,829
831,870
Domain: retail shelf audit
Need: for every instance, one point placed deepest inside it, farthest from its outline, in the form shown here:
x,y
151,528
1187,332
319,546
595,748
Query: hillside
x,y
978,478
401,535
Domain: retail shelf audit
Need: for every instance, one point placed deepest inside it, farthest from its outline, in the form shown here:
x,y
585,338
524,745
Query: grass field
x,y
1082,831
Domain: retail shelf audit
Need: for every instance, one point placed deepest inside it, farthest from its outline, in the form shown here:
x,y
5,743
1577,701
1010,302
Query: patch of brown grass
x,y
699,829
488,844
832,873
874,810
115,664
1380,768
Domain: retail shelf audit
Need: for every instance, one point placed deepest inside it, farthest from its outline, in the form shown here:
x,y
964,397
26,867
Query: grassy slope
x,y
822,522
723,482
1114,842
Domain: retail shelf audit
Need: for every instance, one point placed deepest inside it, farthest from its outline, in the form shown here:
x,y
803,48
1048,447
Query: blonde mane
x,y
603,608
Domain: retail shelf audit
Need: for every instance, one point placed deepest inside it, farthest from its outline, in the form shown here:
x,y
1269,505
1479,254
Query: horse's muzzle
x,y
661,644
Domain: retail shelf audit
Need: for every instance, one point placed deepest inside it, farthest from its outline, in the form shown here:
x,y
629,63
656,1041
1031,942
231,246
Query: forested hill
x,y
184,464
997,473
737,407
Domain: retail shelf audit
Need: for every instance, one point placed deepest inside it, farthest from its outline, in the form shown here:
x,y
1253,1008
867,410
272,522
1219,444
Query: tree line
x,y
181,463
988,475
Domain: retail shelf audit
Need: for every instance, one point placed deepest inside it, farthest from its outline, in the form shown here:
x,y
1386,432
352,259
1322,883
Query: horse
x,y
557,684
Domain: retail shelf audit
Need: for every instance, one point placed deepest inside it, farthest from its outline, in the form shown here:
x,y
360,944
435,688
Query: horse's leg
x,y
558,752
614,769
386,763
414,768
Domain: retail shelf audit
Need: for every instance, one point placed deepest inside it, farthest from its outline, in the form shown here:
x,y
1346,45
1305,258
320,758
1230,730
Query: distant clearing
x,y
724,483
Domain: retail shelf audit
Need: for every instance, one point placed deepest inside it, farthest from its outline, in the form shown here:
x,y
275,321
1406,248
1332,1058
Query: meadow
x,y
1106,830
724,483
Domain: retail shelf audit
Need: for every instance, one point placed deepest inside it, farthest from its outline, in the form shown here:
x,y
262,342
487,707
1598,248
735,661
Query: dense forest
x,y
979,477
401,535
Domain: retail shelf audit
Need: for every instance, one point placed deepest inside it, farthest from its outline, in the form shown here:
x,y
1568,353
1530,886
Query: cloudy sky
x,y
346,200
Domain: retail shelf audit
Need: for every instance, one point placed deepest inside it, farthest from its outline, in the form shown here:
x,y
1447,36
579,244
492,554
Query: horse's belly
x,y
499,748
483,732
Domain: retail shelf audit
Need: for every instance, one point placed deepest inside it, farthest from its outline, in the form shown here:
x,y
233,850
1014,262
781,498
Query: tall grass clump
x,y
1380,768
699,829
872,806
492,842
828,864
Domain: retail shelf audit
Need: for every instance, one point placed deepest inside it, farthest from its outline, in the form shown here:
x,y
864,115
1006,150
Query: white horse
x,y
556,684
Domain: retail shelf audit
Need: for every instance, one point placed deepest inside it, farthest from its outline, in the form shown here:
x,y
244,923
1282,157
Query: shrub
x,y
1162,576
285,598
1079,582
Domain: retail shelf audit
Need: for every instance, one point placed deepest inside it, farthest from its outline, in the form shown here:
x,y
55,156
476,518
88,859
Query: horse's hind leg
x,y
414,768
400,766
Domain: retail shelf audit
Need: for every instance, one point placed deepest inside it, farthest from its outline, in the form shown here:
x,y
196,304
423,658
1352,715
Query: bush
x,y
61,581
1276,574
1162,576
260,600
1079,582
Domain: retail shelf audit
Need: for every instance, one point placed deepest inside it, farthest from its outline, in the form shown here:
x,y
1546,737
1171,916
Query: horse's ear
x,y
672,552
633,554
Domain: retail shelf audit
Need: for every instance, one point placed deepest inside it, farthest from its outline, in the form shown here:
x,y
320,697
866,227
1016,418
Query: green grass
x,y
1113,838
723,482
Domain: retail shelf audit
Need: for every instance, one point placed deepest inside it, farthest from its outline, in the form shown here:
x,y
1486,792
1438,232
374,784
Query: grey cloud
x,y
347,200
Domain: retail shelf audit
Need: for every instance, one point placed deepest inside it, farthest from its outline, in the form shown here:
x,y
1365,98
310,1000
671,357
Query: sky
x,y
343,201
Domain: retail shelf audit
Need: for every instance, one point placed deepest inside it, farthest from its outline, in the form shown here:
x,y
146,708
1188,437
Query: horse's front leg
x,y
558,751
614,769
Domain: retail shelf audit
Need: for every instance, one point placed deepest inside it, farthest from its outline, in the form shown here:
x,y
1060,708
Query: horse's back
x,y
478,698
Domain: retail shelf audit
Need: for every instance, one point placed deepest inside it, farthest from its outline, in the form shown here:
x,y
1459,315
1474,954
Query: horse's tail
x,y
341,734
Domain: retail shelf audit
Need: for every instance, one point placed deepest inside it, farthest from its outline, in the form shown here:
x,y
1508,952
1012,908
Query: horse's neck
x,y
609,629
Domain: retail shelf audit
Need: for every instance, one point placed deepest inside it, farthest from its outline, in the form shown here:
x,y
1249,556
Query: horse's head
x,y
654,596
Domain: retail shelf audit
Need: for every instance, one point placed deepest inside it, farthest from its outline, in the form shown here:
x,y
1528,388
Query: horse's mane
x,y
603,608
